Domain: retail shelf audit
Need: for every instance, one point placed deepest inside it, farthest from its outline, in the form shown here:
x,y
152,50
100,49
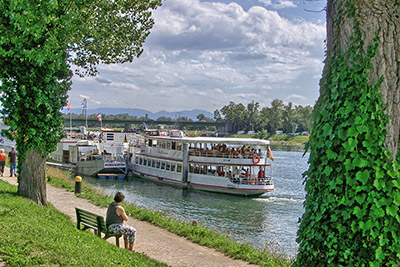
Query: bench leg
x,y
117,240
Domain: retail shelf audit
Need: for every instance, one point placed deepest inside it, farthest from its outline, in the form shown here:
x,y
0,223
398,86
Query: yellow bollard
x,y
78,184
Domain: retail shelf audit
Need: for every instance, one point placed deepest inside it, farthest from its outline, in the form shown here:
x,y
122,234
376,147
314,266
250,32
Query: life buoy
x,y
256,159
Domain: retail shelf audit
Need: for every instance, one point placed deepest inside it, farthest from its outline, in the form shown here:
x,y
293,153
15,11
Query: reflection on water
x,y
270,218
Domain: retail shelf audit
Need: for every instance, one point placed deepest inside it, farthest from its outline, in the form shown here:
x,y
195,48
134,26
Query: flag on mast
x,y
98,117
69,105
84,106
269,154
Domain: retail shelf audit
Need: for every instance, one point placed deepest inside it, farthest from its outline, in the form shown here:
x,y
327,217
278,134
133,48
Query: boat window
x,y
158,164
154,142
137,160
168,166
149,162
220,171
196,168
173,145
173,167
145,161
153,164
168,145
110,137
140,161
179,146
163,165
150,143
179,168
162,144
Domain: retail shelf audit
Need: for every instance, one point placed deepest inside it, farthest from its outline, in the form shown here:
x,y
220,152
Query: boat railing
x,y
252,180
218,154
105,157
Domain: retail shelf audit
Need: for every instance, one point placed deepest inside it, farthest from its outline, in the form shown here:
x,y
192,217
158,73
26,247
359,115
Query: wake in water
x,y
279,199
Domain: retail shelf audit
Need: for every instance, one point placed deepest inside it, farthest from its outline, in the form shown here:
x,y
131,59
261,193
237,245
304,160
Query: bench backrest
x,y
91,220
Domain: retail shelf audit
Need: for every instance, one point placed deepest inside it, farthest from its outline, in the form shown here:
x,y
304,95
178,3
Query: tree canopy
x,y
40,41
278,116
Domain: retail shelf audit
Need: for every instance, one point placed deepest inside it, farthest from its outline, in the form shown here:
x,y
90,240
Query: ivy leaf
x,y
331,154
392,210
362,176
328,170
348,165
379,184
350,145
396,198
358,212
379,255
360,198
327,129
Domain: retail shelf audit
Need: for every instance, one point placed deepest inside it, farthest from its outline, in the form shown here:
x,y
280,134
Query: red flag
x,y
98,117
269,154
69,105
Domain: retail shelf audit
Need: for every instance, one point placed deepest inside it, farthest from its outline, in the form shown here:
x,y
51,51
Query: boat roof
x,y
215,140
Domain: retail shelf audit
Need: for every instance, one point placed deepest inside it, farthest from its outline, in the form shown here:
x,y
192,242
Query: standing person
x,y
116,218
13,161
2,161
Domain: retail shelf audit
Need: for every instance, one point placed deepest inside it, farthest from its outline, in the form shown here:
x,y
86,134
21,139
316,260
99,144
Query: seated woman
x,y
116,218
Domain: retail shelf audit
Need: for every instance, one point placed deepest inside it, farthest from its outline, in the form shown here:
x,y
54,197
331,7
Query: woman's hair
x,y
1,150
119,197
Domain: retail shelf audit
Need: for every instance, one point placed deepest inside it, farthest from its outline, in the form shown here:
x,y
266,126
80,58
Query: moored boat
x,y
236,166
104,153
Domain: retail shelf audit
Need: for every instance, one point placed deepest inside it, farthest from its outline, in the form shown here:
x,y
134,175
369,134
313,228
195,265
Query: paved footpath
x,y
155,242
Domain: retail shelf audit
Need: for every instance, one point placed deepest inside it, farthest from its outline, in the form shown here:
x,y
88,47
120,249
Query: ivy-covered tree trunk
x,y
352,215
375,18
32,178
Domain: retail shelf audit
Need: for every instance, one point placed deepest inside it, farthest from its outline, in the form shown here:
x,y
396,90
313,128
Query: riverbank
x,y
280,142
171,249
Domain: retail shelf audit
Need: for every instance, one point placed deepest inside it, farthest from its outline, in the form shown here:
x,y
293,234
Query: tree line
x,y
280,116
285,117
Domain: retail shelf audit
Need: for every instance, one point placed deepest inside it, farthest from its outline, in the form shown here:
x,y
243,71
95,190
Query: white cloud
x,y
278,4
294,97
205,54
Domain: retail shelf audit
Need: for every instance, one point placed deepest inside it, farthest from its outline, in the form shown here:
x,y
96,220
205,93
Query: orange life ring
x,y
256,159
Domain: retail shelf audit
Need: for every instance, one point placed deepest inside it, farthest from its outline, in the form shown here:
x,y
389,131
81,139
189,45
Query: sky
x,y
202,54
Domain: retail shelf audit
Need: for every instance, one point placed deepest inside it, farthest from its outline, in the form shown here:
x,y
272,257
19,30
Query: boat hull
x,y
232,189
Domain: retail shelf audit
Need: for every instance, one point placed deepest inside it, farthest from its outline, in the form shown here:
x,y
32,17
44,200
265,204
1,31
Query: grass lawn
x,y
33,235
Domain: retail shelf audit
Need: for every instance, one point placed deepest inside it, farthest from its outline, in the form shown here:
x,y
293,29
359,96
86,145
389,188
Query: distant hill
x,y
141,112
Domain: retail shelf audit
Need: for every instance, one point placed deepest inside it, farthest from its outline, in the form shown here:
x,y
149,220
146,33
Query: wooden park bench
x,y
96,222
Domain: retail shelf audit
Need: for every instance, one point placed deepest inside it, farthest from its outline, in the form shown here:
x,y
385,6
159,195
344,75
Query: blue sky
x,y
202,54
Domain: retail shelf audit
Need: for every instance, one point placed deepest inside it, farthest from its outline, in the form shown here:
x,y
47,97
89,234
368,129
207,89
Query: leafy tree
x,y
253,116
352,215
39,42
290,118
201,117
163,118
304,116
183,118
217,115
273,115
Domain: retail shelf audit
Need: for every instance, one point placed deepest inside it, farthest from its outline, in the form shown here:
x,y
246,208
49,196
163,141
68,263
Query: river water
x,y
267,221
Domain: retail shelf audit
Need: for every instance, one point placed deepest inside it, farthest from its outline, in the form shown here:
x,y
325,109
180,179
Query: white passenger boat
x,y
226,165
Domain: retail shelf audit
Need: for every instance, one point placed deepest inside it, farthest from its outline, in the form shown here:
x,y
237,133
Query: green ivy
x,y
353,185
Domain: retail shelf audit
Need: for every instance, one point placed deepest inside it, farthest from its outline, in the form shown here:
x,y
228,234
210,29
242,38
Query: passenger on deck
x,y
261,173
